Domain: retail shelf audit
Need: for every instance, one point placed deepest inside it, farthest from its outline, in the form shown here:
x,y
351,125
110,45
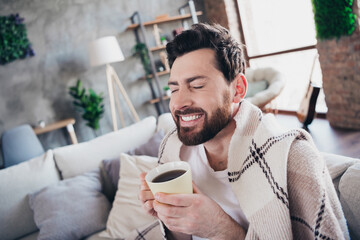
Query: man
x,y
251,179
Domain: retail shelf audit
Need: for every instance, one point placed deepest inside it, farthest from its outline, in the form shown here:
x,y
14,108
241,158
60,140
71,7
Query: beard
x,y
220,118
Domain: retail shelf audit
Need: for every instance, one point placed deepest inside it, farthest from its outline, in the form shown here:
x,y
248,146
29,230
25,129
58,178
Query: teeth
x,y
190,118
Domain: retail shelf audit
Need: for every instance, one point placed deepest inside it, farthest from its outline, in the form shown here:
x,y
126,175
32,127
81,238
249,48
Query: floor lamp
x,y
104,51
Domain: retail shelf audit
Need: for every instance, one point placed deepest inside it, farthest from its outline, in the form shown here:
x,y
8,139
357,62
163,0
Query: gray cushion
x,y
150,148
112,166
349,189
16,182
72,209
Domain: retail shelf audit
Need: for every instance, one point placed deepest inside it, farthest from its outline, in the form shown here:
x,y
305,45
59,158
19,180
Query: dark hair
x,y
229,55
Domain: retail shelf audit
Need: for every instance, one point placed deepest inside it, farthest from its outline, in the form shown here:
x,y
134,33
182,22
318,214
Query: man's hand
x,y
146,196
195,214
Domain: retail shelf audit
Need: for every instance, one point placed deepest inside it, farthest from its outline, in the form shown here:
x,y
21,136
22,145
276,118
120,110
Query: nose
x,y
180,100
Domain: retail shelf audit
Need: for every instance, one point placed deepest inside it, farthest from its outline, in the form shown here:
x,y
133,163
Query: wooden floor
x,y
327,138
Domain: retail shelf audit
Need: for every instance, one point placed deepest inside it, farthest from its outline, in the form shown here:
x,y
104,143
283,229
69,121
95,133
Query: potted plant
x,y
338,35
89,104
167,91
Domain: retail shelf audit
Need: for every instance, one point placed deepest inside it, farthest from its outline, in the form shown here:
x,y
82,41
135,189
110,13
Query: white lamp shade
x,y
105,50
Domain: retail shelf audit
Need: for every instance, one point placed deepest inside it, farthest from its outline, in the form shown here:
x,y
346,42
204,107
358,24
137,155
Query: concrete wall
x,y
36,88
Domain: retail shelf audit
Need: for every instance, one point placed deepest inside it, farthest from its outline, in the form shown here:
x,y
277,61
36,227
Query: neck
x,y
217,148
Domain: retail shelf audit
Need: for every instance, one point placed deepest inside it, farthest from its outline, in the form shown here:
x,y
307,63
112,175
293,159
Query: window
x,y
272,27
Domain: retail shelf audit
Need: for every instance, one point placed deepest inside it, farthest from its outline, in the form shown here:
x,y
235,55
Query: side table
x,y
68,123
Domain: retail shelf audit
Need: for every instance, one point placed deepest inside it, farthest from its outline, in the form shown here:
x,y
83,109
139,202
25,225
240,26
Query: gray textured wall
x,y
36,88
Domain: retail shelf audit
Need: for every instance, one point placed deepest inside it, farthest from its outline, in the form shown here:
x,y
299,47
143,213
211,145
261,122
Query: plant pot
x,y
168,93
340,66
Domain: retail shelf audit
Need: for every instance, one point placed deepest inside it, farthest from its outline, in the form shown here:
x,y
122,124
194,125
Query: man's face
x,y
201,98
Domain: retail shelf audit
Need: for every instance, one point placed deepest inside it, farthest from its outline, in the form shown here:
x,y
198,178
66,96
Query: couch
x,y
89,190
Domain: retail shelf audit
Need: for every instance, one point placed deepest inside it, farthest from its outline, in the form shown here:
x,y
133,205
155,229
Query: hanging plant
x,y
333,18
14,43
140,50
90,104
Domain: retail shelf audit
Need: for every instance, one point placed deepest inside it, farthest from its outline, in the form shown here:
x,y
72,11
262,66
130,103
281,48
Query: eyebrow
x,y
188,80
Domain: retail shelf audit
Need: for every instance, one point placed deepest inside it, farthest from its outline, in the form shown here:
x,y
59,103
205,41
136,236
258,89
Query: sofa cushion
x,y
127,213
165,123
338,164
150,148
349,189
31,236
76,159
16,216
71,209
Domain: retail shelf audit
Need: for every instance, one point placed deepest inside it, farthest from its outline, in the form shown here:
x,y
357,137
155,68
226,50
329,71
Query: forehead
x,y
199,62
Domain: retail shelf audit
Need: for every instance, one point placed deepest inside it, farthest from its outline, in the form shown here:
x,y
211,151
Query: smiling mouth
x,y
189,118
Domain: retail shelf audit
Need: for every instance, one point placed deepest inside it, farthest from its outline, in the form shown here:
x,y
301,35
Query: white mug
x,y
180,184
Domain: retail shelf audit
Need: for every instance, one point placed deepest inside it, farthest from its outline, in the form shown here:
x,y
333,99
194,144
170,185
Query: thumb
x,y
196,189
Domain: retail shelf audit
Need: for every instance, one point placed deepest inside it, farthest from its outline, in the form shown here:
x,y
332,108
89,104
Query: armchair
x,y
264,85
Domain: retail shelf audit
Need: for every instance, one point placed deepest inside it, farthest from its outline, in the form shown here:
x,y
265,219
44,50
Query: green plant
x,y
90,104
141,50
166,88
333,18
14,43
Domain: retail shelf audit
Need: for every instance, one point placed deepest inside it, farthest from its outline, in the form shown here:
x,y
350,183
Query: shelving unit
x,y
164,20
156,100
157,48
159,97
158,73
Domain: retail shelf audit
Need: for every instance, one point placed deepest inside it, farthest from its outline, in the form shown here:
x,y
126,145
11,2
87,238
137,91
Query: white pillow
x,y
127,212
76,159
165,123
16,182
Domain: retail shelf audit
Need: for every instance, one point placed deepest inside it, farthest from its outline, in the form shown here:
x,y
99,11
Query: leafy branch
x,y
89,104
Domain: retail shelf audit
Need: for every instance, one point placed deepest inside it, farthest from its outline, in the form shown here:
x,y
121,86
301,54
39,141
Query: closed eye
x,y
198,87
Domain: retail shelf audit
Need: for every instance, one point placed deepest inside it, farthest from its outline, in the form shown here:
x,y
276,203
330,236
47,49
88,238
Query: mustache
x,y
189,111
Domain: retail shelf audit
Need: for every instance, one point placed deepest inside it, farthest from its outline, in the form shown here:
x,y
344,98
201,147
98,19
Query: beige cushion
x,y
127,213
349,189
76,159
16,182
165,123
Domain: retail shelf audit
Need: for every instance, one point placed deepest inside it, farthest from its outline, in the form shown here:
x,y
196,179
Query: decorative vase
x,y
340,66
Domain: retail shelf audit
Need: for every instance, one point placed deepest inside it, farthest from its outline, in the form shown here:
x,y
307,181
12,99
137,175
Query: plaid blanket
x,y
152,231
279,178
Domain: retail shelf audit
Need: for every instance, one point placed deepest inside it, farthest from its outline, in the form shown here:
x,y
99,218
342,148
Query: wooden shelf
x,y
164,20
153,49
156,100
158,73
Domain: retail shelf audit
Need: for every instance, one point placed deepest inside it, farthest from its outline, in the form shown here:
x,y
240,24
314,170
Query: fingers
x,y
142,176
143,183
148,207
168,210
179,200
145,195
171,223
196,189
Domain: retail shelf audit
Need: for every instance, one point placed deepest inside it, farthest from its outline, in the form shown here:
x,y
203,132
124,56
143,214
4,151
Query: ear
x,y
240,87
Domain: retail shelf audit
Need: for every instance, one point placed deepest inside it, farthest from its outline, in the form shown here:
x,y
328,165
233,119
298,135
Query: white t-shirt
x,y
213,184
